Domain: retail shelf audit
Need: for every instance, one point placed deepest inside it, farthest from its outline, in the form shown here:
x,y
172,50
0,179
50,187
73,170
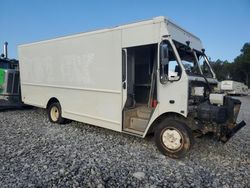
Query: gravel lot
x,y
34,152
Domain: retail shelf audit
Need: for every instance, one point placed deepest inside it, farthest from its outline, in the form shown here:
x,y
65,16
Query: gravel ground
x,y
36,153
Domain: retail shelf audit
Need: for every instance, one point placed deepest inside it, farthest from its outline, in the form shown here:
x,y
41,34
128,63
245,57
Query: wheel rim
x,y
172,139
54,113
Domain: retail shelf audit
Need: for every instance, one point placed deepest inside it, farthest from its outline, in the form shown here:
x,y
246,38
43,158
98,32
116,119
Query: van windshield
x,y
204,65
188,59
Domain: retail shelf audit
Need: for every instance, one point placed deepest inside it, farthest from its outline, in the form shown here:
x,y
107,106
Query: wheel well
x,y
51,101
163,116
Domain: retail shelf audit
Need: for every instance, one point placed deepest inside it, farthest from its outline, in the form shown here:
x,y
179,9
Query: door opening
x,y
141,87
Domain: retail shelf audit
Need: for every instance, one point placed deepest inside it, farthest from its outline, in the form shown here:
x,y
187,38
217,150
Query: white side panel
x,y
82,72
173,97
141,35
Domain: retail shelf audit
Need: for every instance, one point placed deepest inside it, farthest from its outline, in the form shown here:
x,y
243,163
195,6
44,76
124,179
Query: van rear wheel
x,y
55,113
173,138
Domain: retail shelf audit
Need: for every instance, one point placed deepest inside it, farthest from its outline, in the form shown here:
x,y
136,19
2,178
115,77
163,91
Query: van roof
x,y
119,27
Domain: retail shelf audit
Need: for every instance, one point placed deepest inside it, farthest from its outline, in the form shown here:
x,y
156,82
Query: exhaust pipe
x,y
5,50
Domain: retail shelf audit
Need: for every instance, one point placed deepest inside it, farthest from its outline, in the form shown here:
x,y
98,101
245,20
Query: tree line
x,y
238,70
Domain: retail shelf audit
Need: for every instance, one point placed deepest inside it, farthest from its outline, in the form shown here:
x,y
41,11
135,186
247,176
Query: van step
x,y
140,112
138,124
144,112
136,119
133,132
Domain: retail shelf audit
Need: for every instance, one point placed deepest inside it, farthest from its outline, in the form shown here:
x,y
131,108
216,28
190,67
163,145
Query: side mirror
x,y
164,54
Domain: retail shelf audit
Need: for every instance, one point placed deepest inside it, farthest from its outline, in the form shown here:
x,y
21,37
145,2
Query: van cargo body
x,y
149,76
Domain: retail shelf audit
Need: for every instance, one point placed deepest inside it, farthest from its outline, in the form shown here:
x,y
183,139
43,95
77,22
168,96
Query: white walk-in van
x,y
146,77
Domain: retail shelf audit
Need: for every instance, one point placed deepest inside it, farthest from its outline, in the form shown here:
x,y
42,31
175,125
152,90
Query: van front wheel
x,y
173,138
55,113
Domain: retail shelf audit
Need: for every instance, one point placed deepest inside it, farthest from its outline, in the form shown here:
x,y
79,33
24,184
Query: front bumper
x,y
231,131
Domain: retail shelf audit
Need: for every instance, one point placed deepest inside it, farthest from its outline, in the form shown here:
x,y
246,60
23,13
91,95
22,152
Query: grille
x,y
12,83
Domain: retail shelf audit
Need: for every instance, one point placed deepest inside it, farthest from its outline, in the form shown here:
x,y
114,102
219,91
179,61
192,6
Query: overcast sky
x,y
222,25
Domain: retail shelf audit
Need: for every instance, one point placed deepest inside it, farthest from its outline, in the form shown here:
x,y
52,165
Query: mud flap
x,y
232,131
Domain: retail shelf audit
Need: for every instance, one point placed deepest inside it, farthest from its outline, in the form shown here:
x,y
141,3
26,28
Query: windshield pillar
x,y
208,63
204,64
197,61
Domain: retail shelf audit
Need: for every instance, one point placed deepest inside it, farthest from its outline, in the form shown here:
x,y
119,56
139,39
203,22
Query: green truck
x,y
2,76
10,95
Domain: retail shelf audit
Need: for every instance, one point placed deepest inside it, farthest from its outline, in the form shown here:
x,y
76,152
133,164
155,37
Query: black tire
x,y
181,134
58,118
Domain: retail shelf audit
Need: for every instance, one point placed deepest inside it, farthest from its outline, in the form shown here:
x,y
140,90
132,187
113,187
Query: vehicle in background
x,y
10,95
138,78
231,87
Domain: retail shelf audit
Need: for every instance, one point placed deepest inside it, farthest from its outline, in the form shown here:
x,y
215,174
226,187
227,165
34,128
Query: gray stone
x,y
35,152
139,175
